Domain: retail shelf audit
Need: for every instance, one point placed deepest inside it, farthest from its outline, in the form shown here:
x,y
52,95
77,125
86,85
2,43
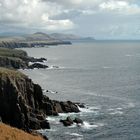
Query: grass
x,y
4,72
12,53
10,133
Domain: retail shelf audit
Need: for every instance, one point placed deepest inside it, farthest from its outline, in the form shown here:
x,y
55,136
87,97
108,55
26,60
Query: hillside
x,y
12,58
40,39
32,40
11,133
69,37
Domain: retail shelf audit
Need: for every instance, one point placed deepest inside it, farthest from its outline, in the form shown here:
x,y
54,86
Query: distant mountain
x,y
38,36
69,37
40,39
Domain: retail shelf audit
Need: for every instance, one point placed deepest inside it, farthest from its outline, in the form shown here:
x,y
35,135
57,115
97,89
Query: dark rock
x,y
67,122
32,59
37,65
56,67
0,120
69,107
45,137
77,120
45,124
12,63
34,123
81,105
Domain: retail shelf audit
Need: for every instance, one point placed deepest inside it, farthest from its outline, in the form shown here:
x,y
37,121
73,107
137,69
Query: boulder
x,y
37,65
67,122
45,124
32,59
78,121
69,107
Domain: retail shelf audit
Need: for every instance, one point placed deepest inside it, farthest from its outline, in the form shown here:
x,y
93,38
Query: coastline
x,y
31,106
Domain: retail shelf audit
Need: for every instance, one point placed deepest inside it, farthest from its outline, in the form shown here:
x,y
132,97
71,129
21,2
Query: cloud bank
x,y
101,18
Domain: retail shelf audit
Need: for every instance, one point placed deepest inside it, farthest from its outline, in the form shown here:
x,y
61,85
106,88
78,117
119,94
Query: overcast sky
x,y
99,18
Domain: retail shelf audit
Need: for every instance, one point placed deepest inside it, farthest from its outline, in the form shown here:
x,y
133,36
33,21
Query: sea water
x,y
105,75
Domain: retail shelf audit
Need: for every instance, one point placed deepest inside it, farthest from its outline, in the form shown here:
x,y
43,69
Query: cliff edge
x,y
23,105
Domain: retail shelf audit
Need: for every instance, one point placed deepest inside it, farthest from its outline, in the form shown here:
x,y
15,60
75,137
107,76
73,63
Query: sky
x,y
102,19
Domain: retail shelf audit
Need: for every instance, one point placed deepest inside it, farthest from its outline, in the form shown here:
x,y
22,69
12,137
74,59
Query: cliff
x,y
32,40
23,105
13,44
12,58
18,59
10,133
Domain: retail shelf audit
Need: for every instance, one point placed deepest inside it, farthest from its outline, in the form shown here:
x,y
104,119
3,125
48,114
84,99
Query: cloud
x,y
89,17
123,7
30,14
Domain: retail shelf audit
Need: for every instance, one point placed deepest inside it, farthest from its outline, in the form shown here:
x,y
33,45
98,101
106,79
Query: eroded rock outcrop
x,y
13,63
18,59
69,121
38,66
23,105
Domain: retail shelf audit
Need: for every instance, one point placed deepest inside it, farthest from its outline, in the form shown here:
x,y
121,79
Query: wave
x,y
89,109
129,55
55,67
49,91
116,112
105,67
42,131
87,125
74,134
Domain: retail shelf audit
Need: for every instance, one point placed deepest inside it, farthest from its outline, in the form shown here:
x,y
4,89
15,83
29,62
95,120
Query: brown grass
x,y
10,133
4,72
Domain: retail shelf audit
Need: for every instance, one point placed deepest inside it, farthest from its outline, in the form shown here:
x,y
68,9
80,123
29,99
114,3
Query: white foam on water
x,y
116,113
46,130
119,108
128,55
115,109
67,114
89,109
73,126
105,67
85,110
131,105
51,118
55,67
74,134
87,125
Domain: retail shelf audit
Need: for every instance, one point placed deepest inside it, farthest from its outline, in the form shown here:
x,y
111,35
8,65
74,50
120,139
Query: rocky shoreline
x,y
22,103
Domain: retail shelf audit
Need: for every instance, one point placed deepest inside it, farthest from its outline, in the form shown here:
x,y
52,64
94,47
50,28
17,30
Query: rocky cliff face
x,y
10,62
18,59
13,44
22,103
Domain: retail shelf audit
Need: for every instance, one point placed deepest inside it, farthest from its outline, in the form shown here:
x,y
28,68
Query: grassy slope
x,y
10,133
4,72
12,53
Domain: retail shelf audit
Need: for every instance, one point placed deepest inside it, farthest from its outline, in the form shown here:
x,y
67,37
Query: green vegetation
x,y
5,52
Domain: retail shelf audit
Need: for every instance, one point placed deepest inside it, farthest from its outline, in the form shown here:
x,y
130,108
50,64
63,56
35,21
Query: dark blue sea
x,y
105,75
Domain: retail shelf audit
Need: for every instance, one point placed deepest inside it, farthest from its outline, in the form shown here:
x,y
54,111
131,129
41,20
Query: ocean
x,y
105,75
